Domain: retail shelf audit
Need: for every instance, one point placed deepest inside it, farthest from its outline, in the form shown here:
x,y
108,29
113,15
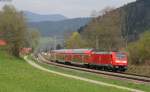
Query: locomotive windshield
x,y
121,56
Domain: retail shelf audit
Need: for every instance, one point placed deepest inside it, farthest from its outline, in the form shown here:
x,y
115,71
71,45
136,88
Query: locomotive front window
x,y
121,56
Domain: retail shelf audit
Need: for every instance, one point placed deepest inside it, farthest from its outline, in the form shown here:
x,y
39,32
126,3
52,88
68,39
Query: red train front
x,y
116,61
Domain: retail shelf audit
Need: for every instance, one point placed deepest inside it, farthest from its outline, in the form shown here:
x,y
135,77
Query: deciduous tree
x,y
75,41
104,32
13,26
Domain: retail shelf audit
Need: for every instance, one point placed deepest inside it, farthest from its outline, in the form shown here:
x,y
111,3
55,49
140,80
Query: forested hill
x,y
58,28
34,17
135,19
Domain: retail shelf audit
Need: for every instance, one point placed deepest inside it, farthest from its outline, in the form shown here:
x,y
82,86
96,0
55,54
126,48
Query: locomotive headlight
x,y
118,61
124,61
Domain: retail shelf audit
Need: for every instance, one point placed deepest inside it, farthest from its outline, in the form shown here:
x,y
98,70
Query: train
x,y
114,61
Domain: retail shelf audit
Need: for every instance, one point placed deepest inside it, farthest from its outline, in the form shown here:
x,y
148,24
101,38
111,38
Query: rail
x,y
140,78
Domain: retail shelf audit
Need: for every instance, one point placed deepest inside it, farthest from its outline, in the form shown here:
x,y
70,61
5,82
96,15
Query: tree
x,y
34,38
75,41
13,26
104,32
58,46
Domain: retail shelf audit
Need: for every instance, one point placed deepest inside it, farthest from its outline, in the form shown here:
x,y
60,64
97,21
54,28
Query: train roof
x,y
80,51
73,51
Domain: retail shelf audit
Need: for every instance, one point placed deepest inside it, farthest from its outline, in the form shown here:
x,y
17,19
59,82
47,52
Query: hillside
x,y
33,17
135,19
58,28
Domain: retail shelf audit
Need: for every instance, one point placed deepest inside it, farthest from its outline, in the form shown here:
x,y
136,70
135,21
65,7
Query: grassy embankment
x,y
18,76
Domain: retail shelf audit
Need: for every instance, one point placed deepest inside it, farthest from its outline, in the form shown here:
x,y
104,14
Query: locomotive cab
x,y
120,61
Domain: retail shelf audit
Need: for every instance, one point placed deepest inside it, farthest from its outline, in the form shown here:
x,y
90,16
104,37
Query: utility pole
x,y
97,43
55,42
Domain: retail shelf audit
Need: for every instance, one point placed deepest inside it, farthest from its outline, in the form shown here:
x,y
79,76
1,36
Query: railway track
x,y
139,78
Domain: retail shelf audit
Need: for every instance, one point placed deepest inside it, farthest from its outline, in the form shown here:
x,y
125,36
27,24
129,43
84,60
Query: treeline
x,y
14,31
102,33
135,19
121,29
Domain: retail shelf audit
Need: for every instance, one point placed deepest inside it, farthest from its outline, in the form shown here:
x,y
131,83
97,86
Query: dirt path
x,y
80,78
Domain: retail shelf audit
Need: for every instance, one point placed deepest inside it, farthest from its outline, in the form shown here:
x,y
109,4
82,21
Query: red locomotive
x,y
116,61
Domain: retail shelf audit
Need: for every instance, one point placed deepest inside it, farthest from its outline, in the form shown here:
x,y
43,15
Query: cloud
x,y
70,8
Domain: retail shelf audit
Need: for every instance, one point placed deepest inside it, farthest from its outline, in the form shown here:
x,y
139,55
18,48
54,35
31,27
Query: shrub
x,y
139,52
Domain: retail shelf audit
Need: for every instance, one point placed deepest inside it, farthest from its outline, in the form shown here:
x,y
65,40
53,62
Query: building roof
x,y
2,42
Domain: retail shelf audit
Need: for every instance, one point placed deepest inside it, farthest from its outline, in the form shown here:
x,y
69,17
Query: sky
x,y
68,8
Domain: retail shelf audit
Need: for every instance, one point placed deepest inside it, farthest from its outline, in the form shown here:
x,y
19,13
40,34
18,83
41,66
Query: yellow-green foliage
x,y
75,41
140,50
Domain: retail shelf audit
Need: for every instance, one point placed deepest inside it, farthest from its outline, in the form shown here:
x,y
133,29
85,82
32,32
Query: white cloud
x,y
70,8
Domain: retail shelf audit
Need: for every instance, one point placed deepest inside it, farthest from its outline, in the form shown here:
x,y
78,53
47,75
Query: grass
x,y
144,87
18,76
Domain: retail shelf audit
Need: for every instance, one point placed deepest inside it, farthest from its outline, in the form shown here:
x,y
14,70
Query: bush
x,y
139,52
